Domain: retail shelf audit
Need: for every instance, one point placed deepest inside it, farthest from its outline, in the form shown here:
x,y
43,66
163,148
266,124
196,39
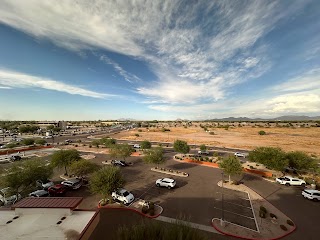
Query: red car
x,y
57,190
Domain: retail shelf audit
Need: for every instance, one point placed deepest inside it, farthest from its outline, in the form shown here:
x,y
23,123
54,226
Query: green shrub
x,y
262,132
263,209
211,133
289,222
262,214
144,209
139,130
283,227
137,135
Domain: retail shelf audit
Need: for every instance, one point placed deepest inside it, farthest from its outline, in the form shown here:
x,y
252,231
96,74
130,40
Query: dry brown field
x,y
247,137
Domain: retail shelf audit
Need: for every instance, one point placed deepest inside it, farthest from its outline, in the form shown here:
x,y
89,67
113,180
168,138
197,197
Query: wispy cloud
x,y
12,79
197,58
309,80
129,77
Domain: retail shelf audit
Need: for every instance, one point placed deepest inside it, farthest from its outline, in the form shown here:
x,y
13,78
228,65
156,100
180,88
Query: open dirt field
x,y
289,139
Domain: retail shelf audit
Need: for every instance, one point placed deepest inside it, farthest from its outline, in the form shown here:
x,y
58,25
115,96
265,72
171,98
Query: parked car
x,y
44,184
290,181
68,141
203,152
73,183
136,146
6,198
15,158
119,163
166,182
311,194
238,154
39,193
57,190
123,196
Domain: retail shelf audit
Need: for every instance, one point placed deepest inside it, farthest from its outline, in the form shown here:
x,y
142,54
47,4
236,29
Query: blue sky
x,y
90,60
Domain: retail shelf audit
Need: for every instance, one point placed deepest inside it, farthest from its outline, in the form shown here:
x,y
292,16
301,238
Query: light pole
x,y
222,207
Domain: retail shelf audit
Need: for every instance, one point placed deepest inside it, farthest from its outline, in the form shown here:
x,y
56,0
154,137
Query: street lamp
x,y
222,207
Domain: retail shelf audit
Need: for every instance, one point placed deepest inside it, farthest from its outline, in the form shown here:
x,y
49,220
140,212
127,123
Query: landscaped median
x,y
213,162
170,171
145,208
4,152
271,223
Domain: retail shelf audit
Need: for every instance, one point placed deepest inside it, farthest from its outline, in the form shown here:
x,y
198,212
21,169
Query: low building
x,y
45,218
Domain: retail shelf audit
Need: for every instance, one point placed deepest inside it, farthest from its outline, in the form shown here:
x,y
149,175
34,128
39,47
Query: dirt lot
x,y
247,137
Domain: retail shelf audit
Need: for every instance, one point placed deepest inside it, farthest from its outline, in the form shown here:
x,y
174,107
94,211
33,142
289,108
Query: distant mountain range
x,y
281,118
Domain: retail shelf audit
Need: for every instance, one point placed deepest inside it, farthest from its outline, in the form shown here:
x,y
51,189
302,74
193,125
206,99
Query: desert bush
x,y
144,209
139,130
289,222
262,132
283,227
211,133
137,135
263,209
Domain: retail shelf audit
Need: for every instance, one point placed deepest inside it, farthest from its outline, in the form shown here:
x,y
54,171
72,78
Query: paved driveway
x,y
289,200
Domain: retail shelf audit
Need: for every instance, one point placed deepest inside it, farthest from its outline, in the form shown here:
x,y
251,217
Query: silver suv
x,y
166,182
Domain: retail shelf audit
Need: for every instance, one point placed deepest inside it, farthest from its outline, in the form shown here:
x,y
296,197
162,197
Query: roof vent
x,y
9,222
16,217
59,222
63,218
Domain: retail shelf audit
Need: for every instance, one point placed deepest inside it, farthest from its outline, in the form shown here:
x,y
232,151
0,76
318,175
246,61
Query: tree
x,y
23,176
95,143
50,127
273,158
108,142
121,151
28,141
40,141
145,144
203,147
56,129
154,155
231,166
300,160
106,180
181,146
64,158
11,145
83,167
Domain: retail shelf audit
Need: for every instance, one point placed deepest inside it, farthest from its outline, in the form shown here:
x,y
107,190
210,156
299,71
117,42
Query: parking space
x,y
235,207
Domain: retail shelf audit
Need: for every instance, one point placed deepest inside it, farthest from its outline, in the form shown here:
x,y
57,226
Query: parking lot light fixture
x,y
222,207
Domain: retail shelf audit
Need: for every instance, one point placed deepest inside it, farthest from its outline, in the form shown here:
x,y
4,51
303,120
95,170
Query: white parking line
x,y
255,220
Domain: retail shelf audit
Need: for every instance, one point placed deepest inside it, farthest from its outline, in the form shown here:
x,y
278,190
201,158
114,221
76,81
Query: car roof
x,y
311,190
72,180
122,190
168,179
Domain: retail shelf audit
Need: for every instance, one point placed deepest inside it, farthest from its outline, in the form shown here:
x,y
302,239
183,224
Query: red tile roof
x,y
49,202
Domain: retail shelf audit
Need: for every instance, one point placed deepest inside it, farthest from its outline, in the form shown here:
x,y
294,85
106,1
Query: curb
x,y
240,237
134,210
170,173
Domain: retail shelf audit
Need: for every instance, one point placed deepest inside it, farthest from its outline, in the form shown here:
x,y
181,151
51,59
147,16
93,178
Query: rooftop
x,y
50,202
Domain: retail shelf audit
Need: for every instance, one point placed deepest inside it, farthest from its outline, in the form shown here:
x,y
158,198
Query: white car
x,y
311,194
166,182
203,152
45,184
73,183
6,198
238,154
290,181
39,193
136,146
123,196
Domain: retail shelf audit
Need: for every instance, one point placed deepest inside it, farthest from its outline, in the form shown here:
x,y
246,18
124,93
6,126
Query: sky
x,y
158,60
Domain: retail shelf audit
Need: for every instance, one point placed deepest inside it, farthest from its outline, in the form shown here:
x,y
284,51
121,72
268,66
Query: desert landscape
x,y
246,137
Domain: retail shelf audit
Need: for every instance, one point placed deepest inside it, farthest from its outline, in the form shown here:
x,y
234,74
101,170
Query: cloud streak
x,y
12,79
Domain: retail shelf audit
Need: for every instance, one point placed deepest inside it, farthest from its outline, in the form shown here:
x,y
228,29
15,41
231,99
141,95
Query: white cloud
x,y
12,79
196,59
129,77
306,81
5,87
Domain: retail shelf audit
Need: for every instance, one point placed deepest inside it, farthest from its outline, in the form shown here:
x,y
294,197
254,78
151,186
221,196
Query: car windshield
x,y
126,193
